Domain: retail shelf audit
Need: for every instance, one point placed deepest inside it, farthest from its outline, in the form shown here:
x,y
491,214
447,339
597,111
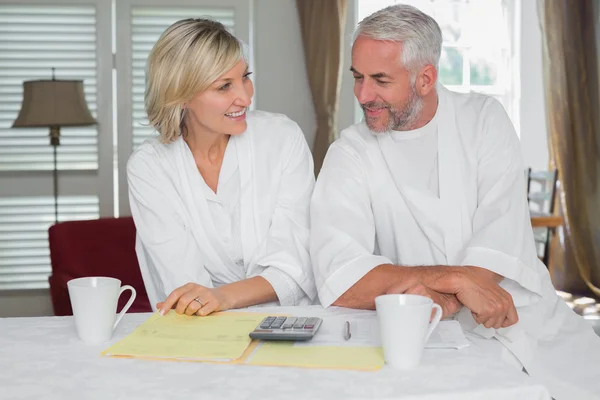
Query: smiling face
x,y
221,108
383,86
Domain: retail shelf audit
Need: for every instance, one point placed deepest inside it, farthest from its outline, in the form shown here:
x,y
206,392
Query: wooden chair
x,y
541,195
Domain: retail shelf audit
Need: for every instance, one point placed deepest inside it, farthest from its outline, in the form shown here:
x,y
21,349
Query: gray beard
x,y
400,120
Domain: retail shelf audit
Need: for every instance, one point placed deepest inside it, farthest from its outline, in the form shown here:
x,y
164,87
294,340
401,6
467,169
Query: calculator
x,y
287,328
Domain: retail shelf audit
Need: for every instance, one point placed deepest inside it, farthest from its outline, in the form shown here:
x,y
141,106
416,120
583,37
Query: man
x,y
427,196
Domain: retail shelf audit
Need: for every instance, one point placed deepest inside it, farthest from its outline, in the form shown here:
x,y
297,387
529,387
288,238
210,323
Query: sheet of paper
x,y
329,357
447,335
216,337
365,333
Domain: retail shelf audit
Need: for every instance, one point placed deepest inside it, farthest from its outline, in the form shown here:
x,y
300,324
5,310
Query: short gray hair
x,y
420,35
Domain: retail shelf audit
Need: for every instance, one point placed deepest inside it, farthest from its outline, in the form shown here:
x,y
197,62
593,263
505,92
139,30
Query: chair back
x,y
102,247
541,196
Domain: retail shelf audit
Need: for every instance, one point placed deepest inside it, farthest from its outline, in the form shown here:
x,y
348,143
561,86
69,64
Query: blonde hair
x,y
187,58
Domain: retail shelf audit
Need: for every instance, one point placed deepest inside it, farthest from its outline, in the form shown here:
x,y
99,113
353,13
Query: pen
x,y
347,334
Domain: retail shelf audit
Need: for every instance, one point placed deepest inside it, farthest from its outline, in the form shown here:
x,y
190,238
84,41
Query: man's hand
x,y
449,303
183,299
477,289
492,306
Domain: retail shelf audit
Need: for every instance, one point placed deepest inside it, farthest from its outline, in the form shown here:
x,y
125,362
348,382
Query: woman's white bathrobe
x,y
177,241
364,215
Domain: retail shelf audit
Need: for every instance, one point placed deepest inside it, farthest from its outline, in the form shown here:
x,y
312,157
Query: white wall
x,y
280,75
347,100
25,303
533,114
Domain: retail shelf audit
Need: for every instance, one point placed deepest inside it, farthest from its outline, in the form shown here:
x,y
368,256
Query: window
x,y
34,39
24,223
477,51
36,36
74,37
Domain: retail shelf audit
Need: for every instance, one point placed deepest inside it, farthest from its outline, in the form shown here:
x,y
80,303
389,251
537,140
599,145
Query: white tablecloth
x,y
42,358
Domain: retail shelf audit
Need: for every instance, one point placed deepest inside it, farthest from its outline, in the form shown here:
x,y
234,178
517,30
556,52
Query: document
x,y
365,333
321,356
447,335
329,349
219,337
224,337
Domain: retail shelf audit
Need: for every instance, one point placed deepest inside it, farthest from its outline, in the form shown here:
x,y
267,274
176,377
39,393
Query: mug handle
x,y
129,303
436,319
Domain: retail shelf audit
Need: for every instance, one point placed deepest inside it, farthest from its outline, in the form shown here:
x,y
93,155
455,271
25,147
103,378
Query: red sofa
x,y
102,247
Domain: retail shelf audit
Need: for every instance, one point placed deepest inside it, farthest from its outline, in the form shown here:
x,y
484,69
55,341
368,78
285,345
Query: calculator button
x,y
309,326
276,325
289,323
311,321
266,323
300,323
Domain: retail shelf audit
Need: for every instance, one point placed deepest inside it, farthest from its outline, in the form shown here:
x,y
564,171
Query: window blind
x,y
33,40
24,223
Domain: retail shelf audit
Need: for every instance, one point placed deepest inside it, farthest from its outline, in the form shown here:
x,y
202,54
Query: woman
x,y
220,200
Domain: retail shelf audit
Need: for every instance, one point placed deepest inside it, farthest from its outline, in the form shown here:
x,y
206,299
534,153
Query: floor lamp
x,y
53,104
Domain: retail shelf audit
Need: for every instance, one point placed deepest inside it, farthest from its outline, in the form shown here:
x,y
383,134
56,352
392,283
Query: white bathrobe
x,y
363,215
177,241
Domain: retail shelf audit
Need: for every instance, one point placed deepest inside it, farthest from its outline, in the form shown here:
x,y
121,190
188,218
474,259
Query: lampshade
x,y
53,103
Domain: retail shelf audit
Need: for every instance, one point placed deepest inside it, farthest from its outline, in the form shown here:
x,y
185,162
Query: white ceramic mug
x,y
94,301
404,326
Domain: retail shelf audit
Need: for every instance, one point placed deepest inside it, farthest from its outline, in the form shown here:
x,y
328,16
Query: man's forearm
x,y
486,272
448,279
375,283
378,281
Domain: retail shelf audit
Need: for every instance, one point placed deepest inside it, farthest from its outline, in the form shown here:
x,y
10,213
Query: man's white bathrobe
x,y
177,240
364,215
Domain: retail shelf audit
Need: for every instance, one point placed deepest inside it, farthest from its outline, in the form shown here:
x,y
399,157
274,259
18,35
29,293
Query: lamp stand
x,y
55,142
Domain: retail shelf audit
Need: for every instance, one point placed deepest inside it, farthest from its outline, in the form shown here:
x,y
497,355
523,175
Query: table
x,y
42,358
547,221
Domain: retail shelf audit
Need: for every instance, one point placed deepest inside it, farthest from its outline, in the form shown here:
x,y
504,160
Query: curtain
x,y
573,108
322,25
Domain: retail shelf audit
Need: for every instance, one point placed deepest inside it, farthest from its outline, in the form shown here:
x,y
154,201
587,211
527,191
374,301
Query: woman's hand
x,y
192,298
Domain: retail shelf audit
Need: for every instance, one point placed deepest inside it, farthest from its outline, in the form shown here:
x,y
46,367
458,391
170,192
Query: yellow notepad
x,y
219,337
328,357
223,338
